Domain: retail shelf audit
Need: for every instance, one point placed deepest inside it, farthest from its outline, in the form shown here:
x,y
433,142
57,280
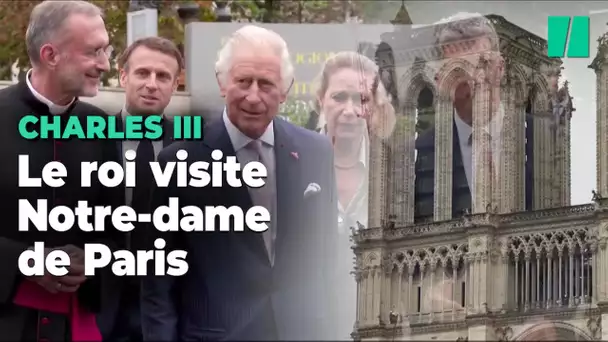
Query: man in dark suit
x,y
466,38
149,72
247,285
68,47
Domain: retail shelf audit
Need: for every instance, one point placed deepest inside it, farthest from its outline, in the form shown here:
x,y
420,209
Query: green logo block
x,y
560,29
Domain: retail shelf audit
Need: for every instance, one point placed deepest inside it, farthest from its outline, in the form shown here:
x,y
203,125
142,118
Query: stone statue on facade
x,y
595,196
560,103
466,217
559,97
360,226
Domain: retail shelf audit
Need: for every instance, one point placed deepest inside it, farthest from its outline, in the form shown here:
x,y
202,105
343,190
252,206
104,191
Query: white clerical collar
x,y
240,140
53,108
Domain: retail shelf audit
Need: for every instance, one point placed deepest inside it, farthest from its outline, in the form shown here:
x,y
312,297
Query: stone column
x,y
443,158
510,193
544,143
482,175
505,193
403,161
600,66
378,185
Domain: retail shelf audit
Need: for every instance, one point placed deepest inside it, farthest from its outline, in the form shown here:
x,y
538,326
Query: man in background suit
x,y
149,72
247,285
466,38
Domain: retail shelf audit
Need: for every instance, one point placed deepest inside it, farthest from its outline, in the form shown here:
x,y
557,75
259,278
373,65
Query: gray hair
x,y
258,37
48,18
464,27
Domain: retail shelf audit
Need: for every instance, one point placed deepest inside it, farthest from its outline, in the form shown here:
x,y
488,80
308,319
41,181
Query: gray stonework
x,y
498,273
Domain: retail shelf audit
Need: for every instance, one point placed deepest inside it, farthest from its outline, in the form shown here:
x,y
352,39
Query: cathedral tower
x,y
600,66
519,263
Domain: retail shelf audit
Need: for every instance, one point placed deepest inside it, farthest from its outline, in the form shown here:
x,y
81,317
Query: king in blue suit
x,y
252,286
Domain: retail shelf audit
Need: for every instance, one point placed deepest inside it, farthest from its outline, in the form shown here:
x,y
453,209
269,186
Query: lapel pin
x,y
295,155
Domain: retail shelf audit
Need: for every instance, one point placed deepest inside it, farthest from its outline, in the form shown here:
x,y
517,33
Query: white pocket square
x,y
311,189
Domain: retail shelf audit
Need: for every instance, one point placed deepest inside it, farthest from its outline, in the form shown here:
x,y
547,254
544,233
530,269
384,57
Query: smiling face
x,y
345,103
253,88
149,78
82,56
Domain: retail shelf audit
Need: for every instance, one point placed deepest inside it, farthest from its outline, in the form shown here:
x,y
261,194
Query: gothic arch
x,y
452,73
518,81
553,331
370,260
414,80
541,92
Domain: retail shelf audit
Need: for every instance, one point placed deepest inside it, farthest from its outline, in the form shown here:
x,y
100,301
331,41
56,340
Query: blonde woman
x,y
352,104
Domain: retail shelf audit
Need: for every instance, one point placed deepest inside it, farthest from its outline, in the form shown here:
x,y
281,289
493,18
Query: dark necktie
x,y
263,196
144,177
140,199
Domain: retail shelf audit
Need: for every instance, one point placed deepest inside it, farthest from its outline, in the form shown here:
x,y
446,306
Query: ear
x,y
176,81
286,92
49,55
123,78
220,84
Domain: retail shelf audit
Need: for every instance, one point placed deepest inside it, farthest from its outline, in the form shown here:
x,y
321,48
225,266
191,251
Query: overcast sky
x,y
532,16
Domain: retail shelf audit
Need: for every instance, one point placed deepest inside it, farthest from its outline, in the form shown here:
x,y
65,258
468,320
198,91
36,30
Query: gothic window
x,y
425,113
529,154
547,278
425,156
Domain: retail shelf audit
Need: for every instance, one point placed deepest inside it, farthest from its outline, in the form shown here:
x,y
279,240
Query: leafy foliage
x,y
12,32
15,16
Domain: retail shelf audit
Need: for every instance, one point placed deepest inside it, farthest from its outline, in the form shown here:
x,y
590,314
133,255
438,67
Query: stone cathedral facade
x,y
522,264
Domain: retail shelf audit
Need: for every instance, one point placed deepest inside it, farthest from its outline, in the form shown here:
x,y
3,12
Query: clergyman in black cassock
x,y
19,323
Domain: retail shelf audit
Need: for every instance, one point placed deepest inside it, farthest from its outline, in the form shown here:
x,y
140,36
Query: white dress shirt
x,y
53,108
244,155
466,149
348,216
132,145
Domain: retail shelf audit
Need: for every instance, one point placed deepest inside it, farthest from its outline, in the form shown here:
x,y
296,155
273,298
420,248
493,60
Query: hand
x,y
76,259
75,277
68,283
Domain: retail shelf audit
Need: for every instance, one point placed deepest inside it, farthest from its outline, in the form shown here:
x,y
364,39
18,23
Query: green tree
x,y
12,32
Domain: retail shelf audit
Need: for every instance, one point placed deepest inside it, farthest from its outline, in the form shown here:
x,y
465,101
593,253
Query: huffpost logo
x,y
559,32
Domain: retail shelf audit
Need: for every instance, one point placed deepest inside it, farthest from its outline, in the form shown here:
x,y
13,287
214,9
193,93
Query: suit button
x,y
45,320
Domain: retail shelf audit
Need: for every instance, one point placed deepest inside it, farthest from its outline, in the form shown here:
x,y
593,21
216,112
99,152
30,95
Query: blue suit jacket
x,y
231,292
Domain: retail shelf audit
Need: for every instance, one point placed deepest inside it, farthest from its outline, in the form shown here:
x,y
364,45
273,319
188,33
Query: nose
x,y
104,63
351,110
253,93
151,82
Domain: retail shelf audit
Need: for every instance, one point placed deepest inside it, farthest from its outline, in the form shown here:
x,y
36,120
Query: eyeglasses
x,y
103,52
